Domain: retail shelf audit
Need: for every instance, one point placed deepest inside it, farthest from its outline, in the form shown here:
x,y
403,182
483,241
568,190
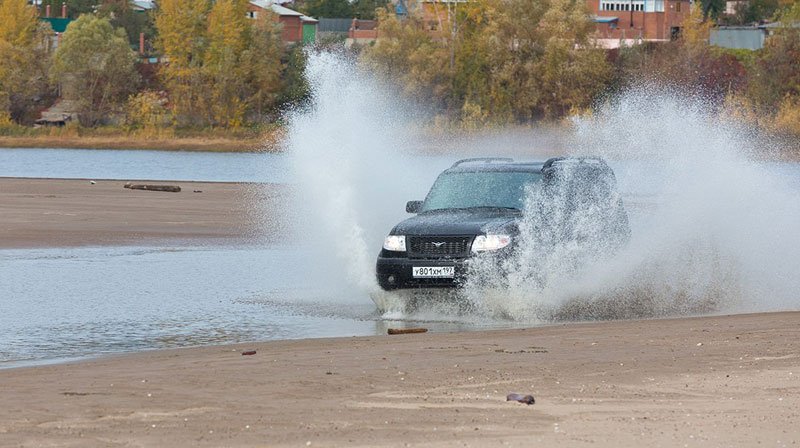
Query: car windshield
x,y
503,189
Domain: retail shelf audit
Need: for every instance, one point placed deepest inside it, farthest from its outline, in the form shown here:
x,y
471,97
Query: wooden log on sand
x,y
407,330
169,188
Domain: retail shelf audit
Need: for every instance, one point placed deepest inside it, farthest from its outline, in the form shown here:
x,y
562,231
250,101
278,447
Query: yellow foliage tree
x,y
696,30
228,37
264,67
23,58
508,59
182,40
406,52
223,68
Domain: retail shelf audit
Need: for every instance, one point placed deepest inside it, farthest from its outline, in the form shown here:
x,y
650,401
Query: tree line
x,y
481,62
217,67
488,64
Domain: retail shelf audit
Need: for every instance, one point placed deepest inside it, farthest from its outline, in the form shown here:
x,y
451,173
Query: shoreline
x,y
722,380
44,213
178,144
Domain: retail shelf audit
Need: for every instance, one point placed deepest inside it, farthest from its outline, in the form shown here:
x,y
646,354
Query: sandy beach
x,y
707,381
712,381
66,213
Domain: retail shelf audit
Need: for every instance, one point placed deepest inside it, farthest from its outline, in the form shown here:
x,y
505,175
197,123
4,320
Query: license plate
x,y
433,272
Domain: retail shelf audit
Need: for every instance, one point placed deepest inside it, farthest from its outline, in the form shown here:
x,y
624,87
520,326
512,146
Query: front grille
x,y
439,246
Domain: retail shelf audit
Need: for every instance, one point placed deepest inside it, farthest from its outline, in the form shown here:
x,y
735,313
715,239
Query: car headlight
x,y
485,243
395,243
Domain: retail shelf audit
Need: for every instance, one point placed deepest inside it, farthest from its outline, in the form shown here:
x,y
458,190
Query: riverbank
x,y
209,140
74,212
719,381
255,144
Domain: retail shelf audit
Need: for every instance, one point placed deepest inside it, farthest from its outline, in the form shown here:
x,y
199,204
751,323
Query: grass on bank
x,y
244,139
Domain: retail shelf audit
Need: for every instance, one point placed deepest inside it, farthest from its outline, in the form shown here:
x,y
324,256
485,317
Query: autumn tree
x,y
690,62
486,59
228,37
408,55
224,69
182,39
777,72
95,66
23,60
266,74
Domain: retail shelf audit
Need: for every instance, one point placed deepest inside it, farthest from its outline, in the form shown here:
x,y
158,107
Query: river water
x,y
60,304
69,303
143,165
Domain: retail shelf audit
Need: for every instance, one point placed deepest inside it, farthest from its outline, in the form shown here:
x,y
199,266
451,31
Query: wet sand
x,y
65,213
713,381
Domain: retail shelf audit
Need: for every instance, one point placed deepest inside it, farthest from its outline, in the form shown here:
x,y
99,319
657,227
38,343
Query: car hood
x,y
457,222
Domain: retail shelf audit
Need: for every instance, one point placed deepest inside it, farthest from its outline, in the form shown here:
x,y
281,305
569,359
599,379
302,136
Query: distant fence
x,y
749,38
334,25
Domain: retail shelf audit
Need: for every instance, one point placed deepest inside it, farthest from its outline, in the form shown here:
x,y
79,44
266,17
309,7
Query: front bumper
x,y
395,273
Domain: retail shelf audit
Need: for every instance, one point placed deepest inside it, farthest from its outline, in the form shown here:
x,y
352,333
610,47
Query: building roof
x,y
58,24
276,8
143,5
774,25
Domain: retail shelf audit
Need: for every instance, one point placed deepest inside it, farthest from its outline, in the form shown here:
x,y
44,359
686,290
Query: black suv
x,y
475,207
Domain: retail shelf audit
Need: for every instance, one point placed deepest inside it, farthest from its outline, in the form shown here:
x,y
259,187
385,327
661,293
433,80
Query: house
x,y
435,13
746,37
143,5
633,21
296,27
57,24
738,37
362,32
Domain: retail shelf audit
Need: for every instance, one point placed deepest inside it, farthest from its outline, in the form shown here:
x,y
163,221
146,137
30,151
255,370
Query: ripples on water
x,y
60,304
144,165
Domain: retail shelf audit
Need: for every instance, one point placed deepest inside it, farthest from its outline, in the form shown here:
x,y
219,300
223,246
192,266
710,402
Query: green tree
x,y
712,8
294,84
182,39
365,9
121,15
265,67
23,60
328,8
95,66
75,8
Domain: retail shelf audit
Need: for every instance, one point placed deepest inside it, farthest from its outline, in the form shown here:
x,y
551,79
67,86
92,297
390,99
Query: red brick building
x,y
295,27
637,20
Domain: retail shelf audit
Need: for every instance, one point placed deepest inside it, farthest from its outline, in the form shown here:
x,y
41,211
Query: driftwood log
x,y
169,188
407,330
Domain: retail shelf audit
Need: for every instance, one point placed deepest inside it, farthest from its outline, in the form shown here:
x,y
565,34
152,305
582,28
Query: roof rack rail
x,y
482,159
550,162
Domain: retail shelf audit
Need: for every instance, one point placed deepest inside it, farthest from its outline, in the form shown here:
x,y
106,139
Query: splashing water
x,y
349,152
713,230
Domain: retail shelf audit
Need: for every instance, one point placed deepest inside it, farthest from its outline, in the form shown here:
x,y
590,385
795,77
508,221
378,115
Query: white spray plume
x,y
713,230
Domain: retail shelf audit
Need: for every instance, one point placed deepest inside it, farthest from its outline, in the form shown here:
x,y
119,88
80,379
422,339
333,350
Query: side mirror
x,y
413,206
